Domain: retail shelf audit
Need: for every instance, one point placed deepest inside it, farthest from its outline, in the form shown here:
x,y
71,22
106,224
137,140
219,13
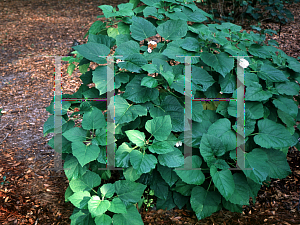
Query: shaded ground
x,y
31,30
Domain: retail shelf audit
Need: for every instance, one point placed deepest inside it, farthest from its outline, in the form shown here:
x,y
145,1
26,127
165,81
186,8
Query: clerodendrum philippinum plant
x,y
149,114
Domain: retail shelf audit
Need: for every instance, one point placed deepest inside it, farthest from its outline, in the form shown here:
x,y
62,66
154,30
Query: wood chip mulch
x,y
31,32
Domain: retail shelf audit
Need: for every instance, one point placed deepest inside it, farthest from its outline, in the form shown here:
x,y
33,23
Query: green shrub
x,y
233,10
150,111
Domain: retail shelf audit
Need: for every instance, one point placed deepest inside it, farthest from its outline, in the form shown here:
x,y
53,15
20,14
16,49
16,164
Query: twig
x,y
7,135
4,127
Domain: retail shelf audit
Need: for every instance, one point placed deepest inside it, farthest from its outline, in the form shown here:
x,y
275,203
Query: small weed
x,y
3,182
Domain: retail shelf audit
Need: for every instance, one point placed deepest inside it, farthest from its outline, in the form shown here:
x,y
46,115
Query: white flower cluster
x,y
244,63
179,143
151,45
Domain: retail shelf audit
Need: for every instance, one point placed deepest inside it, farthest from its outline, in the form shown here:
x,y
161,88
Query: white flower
x,y
152,43
119,60
244,63
151,46
179,143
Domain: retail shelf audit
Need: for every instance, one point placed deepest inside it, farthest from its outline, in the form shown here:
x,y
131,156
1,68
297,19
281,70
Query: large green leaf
x,y
167,203
259,51
128,191
136,136
191,44
92,51
131,174
277,164
271,74
241,191
137,93
149,82
80,199
203,202
124,112
183,188
287,119
197,111
159,186
103,220
75,134
172,29
73,169
202,80
85,183
287,88
221,63
255,110
254,92
127,48
293,64
102,39
192,176
100,79
85,153
172,159
196,15
161,147
172,107
143,163
150,68
117,206
132,217
256,159
286,105
151,11
96,28
223,180
155,3
228,83
210,147
122,155
273,135
97,206
125,9
93,119
101,137
173,49
133,63
168,174
113,32
141,28
81,216
222,129
159,127
180,200
108,10
107,190
49,125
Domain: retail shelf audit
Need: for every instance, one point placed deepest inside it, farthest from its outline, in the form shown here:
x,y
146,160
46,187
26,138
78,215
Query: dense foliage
x,y
256,10
149,114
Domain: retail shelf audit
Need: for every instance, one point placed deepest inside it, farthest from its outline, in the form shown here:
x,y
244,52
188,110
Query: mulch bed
x,y
32,32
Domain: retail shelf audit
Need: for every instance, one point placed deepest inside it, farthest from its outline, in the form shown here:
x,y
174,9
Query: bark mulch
x,y
31,33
